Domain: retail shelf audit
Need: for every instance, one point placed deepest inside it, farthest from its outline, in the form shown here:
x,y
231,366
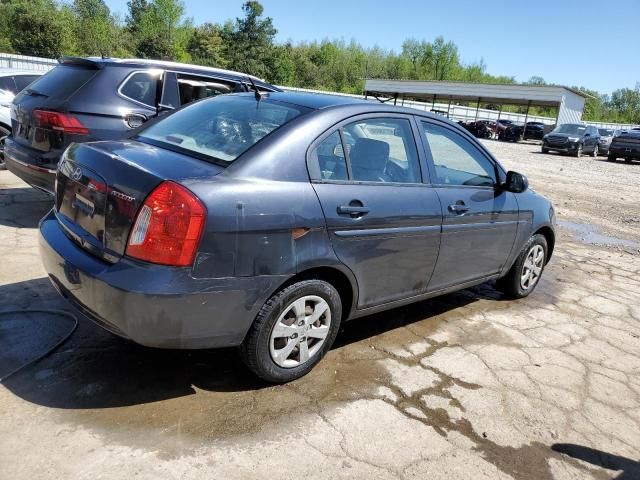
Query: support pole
x,y
526,117
499,114
395,98
433,103
477,109
449,109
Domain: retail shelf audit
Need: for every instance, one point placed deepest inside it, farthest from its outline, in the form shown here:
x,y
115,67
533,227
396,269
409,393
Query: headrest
x,y
369,154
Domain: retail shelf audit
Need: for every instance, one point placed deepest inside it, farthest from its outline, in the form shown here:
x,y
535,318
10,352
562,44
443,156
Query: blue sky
x,y
590,43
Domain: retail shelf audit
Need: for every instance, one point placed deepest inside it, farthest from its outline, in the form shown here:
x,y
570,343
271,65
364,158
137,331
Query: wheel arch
x,y
550,237
340,280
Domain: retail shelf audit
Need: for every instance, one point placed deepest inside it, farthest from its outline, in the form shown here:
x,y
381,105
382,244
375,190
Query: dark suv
x,y
572,138
87,99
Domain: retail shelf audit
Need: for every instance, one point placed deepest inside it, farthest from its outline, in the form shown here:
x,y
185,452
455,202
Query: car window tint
x,y
383,150
456,160
193,87
141,87
22,81
7,85
327,160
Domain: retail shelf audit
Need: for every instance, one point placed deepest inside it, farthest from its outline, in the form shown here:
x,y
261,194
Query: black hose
x,y
50,350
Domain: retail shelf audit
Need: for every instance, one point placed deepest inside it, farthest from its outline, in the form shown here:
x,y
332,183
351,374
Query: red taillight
x,y
168,226
61,122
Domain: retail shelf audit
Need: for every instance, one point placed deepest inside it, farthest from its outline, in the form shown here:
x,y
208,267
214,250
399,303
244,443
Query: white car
x,y
11,82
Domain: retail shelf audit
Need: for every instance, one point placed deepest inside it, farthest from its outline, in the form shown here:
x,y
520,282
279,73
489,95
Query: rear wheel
x,y
611,158
524,275
545,150
4,133
293,331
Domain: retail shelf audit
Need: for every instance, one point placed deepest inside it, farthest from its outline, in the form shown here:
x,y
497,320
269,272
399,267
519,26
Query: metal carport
x,y
569,102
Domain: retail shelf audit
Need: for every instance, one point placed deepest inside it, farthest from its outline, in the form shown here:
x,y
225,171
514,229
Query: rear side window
x,y
193,88
141,87
63,81
327,160
22,81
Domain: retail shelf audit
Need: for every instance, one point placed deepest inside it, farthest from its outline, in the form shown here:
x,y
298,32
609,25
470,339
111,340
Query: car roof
x,y
99,62
316,101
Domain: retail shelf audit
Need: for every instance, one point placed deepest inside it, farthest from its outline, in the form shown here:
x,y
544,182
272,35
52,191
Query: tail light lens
x,y
168,226
61,122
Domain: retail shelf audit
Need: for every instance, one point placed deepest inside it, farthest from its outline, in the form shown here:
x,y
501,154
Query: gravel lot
x,y
467,386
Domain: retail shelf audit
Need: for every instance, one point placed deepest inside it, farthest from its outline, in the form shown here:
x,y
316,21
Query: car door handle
x,y
458,208
353,210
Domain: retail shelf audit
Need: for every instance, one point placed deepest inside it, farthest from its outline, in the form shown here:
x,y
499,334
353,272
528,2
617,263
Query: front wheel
x,y
545,150
594,154
524,275
293,331
4,133
578,153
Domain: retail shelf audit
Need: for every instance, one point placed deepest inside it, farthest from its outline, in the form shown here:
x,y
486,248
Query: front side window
x,y
219,129
457,161
7,85
141,87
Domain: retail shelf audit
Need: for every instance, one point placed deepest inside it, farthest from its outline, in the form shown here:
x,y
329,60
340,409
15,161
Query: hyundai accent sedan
x,y
266,221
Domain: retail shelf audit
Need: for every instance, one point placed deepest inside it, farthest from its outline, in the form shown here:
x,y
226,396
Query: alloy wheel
x,y
532,267
300,331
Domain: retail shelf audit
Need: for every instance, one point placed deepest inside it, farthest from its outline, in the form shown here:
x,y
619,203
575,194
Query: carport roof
x,y
534,95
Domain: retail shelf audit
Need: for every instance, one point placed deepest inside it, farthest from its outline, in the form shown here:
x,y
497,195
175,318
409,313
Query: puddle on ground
x,y
592,235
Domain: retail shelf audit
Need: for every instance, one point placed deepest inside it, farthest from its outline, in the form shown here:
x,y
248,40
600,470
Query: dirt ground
x,y
467,386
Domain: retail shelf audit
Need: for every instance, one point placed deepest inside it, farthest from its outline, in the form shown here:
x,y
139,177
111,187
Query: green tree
x,y
206,46
34,28
95,28
249,41
161,30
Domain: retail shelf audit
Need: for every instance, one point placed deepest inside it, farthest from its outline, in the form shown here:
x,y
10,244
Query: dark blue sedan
x,y
266,220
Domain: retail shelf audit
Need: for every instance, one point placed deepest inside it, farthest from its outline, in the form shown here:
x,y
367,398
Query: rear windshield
x,y
62,81
605,132
219,129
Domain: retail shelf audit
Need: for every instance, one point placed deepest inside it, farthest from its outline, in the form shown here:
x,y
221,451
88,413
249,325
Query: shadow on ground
x,y
23,207
96,369
630,468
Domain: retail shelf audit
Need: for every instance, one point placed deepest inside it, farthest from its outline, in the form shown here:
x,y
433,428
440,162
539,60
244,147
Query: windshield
x,y
605,132
219,129
571,128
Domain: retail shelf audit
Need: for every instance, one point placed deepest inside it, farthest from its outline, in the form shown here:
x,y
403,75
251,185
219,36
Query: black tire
x,y
3,133
628,160
255,349
578,152
545,150
594,154
611,158
511,284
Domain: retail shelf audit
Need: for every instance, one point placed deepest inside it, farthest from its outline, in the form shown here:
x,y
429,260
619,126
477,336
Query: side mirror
x,y
516,182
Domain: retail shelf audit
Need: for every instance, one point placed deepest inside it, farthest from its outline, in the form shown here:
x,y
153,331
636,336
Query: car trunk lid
x,y
101,186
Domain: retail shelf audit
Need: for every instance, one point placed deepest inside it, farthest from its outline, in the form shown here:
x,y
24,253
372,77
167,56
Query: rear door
x,y
480,220
384,222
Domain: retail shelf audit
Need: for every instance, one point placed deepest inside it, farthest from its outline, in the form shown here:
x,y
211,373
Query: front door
x,y
384,223
480,219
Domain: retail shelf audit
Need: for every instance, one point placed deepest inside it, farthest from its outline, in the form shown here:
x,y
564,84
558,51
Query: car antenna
x,y
257,93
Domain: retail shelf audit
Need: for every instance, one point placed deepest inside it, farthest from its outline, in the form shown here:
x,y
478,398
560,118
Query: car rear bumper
x,y
625,152
153,305
26,165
